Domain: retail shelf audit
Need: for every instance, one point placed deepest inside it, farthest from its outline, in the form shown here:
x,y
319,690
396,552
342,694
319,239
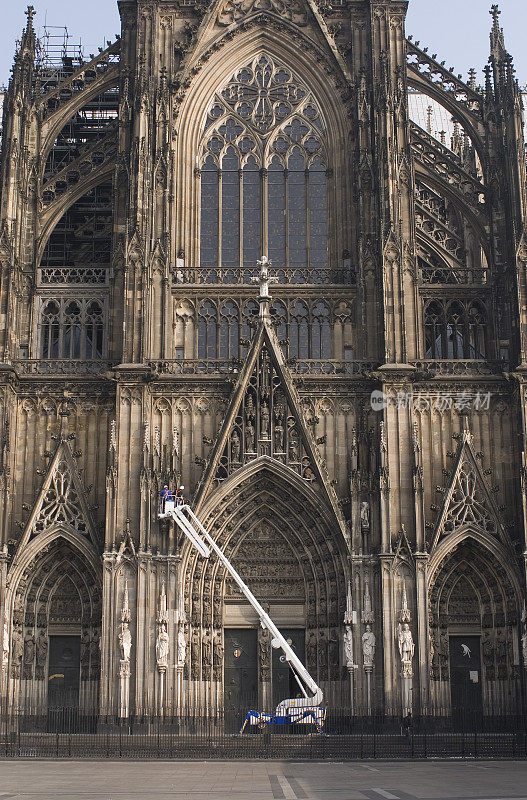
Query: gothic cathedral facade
x,y
356,444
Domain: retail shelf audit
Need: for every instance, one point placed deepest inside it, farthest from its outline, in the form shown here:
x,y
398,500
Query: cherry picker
x,y
303,710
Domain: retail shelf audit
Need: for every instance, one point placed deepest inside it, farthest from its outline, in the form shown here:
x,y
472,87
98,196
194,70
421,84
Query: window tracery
x,y
61,504
306,329
455,329
263,174
72,329
449,250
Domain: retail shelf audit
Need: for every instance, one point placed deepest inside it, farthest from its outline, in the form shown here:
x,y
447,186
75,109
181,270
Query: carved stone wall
x,y
370,433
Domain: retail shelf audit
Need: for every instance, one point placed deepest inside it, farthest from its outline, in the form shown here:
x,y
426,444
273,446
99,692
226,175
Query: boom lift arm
x,y
188,522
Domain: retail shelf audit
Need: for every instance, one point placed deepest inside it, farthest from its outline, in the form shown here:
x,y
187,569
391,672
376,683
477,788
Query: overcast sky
x,y
457,30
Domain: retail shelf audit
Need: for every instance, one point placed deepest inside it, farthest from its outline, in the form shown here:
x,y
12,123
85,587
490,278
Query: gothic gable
x,y
265,419
468,502
61,501
225,18
230,11
265,424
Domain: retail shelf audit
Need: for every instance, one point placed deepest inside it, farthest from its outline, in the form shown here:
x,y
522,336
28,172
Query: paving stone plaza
x,y
271,780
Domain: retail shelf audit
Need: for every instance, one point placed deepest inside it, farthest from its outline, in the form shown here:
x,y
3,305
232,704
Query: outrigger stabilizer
x,y
302,710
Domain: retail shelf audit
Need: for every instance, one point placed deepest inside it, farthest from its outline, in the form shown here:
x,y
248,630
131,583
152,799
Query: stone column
x,y
264,669
125,641
4,626
181,646
368,643
350,618
162,649
406,652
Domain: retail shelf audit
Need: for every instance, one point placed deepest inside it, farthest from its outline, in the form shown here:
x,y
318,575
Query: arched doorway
x,y
55,653
278,531
474,615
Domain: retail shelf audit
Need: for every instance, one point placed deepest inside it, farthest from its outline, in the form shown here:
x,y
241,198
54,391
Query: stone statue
x,y
235,446
406,649
264,420
524,647
311,650
207,648
293,449
181,646
17,646
334,647
348,646
219,653
42,649
278,437
195,646
29,648
365,514
368,646
125,640
5,644
249,436
264,646
162,647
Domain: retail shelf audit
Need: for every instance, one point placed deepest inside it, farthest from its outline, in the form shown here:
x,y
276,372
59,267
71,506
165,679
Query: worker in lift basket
x,y
167,500
179,499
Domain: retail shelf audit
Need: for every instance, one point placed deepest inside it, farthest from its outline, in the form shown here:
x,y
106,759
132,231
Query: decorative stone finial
x,y
495,14
367,613
405,611
125,611
348,616
264,279
30,13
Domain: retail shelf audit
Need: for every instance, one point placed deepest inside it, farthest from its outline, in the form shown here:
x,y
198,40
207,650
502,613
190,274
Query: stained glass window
x,y
263,148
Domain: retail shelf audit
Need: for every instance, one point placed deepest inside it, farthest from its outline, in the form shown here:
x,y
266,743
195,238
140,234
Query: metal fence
x,y
67,733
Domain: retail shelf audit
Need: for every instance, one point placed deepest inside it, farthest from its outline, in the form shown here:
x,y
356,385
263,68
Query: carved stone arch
x,y
471,590
312,495
265,496
60,505
42,543
477,223
215,72
496,552
301,22
56,121
460,114
53,213
55,588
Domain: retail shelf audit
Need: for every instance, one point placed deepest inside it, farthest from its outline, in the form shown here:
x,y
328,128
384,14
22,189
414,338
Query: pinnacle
x,y
30,13
495,14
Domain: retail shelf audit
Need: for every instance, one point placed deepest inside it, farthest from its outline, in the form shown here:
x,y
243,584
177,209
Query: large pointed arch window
x,y
263,176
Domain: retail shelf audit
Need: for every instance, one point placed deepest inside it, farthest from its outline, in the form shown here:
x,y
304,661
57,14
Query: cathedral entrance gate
x,y
283,679
241,674
465,675
63,682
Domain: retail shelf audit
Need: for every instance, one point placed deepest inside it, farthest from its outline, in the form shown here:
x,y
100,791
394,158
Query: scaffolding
x,y
56,51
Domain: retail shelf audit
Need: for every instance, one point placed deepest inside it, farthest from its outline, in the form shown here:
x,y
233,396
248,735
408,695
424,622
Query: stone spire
x,y
25,55
497,40
500,59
